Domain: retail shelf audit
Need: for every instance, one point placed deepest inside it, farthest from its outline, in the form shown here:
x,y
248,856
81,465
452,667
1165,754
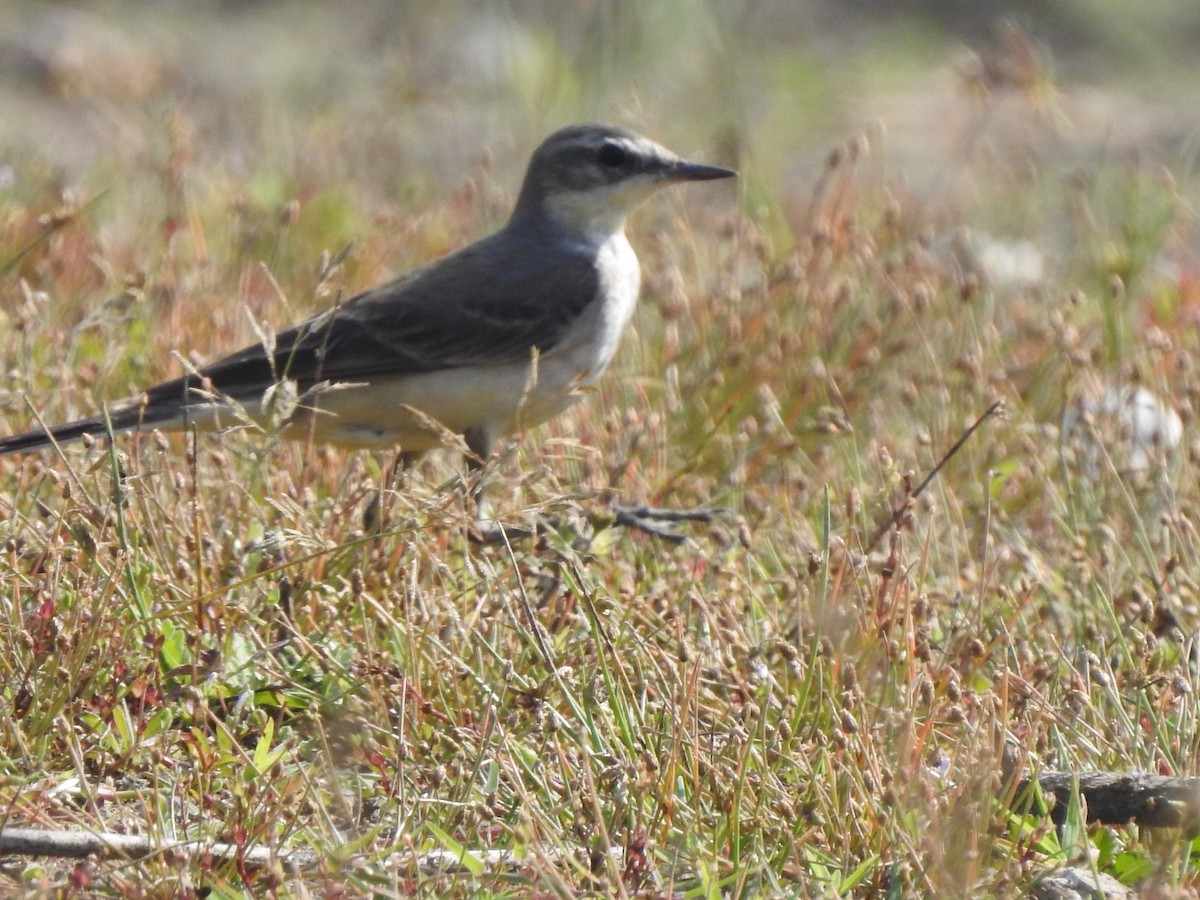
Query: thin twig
x,y
53,223
649,519
995,409
82,844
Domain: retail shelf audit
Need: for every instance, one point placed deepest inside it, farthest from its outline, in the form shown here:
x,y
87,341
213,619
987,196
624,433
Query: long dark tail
x,y
163,406
126,418
194,398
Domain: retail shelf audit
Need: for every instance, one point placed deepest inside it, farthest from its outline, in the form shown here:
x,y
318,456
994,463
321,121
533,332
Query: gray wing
x,y
492,302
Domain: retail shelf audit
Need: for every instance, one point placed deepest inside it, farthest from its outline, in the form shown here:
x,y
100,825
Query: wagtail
x,y
491,339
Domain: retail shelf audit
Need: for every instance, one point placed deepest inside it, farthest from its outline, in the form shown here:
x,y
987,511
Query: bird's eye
x,y
613,156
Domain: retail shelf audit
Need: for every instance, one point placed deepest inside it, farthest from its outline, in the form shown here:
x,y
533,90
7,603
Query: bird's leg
x,y
373,517
487,530
480,445
398,473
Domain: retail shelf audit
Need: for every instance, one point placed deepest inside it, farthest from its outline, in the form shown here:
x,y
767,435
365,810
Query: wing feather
x,y
491,303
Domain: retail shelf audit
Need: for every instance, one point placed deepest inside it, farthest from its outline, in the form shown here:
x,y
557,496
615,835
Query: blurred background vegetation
x,y
396,99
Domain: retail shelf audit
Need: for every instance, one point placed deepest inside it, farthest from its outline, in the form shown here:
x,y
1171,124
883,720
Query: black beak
x,y
690,171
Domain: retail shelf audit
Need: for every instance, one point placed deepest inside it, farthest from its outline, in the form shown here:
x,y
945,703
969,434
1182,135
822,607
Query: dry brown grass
x,y
199,640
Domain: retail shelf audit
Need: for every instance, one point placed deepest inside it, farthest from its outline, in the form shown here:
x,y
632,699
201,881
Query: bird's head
x,y
586,179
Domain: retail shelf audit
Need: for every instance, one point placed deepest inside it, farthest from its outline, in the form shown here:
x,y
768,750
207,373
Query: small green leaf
x,y
1106,847
123,729
470,862
174,648
158,723
1074,828
262,750
491,779
1130,868
851,881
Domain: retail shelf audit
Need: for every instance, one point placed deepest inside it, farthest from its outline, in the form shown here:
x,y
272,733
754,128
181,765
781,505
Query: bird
x,y
487,341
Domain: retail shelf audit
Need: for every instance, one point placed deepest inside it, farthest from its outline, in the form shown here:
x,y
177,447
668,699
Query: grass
x,y
201,639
